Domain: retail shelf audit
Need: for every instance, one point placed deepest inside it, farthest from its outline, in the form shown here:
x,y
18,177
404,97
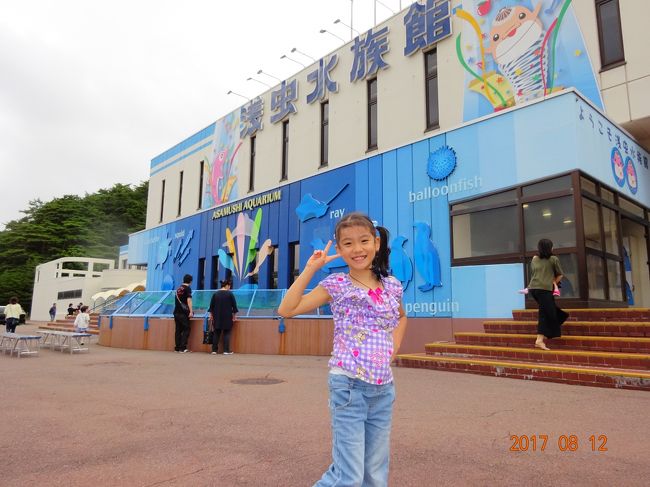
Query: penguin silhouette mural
x,y
400,264
427,260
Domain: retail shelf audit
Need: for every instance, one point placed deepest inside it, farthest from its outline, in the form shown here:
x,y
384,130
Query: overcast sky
x,y
91,91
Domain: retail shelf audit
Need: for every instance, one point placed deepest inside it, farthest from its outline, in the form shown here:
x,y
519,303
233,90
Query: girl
x,y
546,273
369,323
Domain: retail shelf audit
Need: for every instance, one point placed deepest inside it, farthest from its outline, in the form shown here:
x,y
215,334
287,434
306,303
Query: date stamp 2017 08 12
x,y
521,443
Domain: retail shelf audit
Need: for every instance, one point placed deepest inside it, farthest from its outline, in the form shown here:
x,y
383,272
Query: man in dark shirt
x,y
182,313
223,312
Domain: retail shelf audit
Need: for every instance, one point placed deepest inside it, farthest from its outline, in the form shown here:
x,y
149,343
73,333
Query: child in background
x,y
369,324
82,321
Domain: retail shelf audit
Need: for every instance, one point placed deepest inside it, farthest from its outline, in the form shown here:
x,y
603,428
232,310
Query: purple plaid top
x,y
364,321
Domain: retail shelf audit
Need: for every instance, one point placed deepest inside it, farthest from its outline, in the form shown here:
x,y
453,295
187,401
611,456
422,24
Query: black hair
x,y
187,279
226,282
545,248
84,309
357,219
13,300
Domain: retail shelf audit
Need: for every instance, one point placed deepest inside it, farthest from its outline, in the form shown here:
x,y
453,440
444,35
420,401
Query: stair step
x,y
604,359
575,375
595,328
587,343
591,314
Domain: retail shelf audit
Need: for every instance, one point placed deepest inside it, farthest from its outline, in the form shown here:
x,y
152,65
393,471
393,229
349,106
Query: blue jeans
x,y
361,419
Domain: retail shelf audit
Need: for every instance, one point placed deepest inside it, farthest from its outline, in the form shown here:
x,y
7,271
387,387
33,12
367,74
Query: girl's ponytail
x,y
380,262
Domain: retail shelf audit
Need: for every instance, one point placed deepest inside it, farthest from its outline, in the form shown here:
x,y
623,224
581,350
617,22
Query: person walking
x,y
182,313
12,314
545,276
53,312
223,313
369,324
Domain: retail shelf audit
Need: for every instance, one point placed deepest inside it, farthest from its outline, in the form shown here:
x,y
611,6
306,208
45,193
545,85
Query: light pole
x,y
339,21
322,31
269,75
230,92
295,49
259,81
284,56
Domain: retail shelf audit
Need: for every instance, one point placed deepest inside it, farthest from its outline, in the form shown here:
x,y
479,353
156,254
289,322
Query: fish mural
x,y
222,164
240,256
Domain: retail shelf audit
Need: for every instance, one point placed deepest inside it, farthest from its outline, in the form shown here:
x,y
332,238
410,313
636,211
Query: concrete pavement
x,y
124,417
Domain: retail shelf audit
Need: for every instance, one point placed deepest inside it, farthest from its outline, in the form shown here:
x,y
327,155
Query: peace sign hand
x,y
320,258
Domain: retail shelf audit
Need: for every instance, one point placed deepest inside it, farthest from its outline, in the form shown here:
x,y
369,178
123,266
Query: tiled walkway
x,y
123,417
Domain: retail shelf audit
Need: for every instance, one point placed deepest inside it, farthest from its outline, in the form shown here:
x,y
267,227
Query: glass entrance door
x,y
637,269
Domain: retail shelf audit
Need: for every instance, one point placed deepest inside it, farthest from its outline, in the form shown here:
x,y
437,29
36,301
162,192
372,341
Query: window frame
x,y
162,200
372,121
324,134
602,39
284,169
430,123
251,167
180,193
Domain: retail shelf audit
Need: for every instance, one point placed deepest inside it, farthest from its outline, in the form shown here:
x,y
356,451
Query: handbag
x,y
208,337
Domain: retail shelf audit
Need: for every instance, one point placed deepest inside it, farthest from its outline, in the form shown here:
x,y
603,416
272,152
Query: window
x,y
201,171
69,294
162,200
553,219
251,172
614,279
180,193
324,132
372,114
592,224
609,33
294,261
201,279
431,73
596,276
285,150
587,185
273,267
214,274
548,186
488,232
610,228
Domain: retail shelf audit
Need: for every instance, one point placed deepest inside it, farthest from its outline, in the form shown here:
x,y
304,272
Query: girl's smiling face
x,y
357,245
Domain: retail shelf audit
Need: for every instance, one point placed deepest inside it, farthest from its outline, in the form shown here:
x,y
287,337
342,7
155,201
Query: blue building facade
x,y
465,209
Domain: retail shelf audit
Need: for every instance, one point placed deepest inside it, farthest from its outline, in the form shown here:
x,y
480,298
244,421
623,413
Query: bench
x,y
20,344
70,340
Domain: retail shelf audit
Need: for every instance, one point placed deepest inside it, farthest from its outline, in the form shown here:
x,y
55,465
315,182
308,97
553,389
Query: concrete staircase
x,y
67,324
599,347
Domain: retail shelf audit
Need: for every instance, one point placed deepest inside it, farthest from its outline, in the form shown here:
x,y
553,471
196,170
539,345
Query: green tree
x,y
94,225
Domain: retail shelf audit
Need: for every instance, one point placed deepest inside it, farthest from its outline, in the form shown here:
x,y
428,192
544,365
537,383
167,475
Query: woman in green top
x,y
546,273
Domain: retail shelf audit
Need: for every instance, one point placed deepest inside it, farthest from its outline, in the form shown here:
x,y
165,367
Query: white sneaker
x,y
228,353
213,353
185,351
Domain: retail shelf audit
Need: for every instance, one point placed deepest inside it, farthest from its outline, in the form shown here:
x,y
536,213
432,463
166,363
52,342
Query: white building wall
x,y
624,88
51,278
401,110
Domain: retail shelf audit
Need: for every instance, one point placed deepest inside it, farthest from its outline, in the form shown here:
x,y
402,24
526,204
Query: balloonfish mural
x,y
244,260
514,51
221,168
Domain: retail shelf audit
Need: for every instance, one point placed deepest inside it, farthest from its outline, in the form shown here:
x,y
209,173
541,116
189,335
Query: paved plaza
x,y
127,417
